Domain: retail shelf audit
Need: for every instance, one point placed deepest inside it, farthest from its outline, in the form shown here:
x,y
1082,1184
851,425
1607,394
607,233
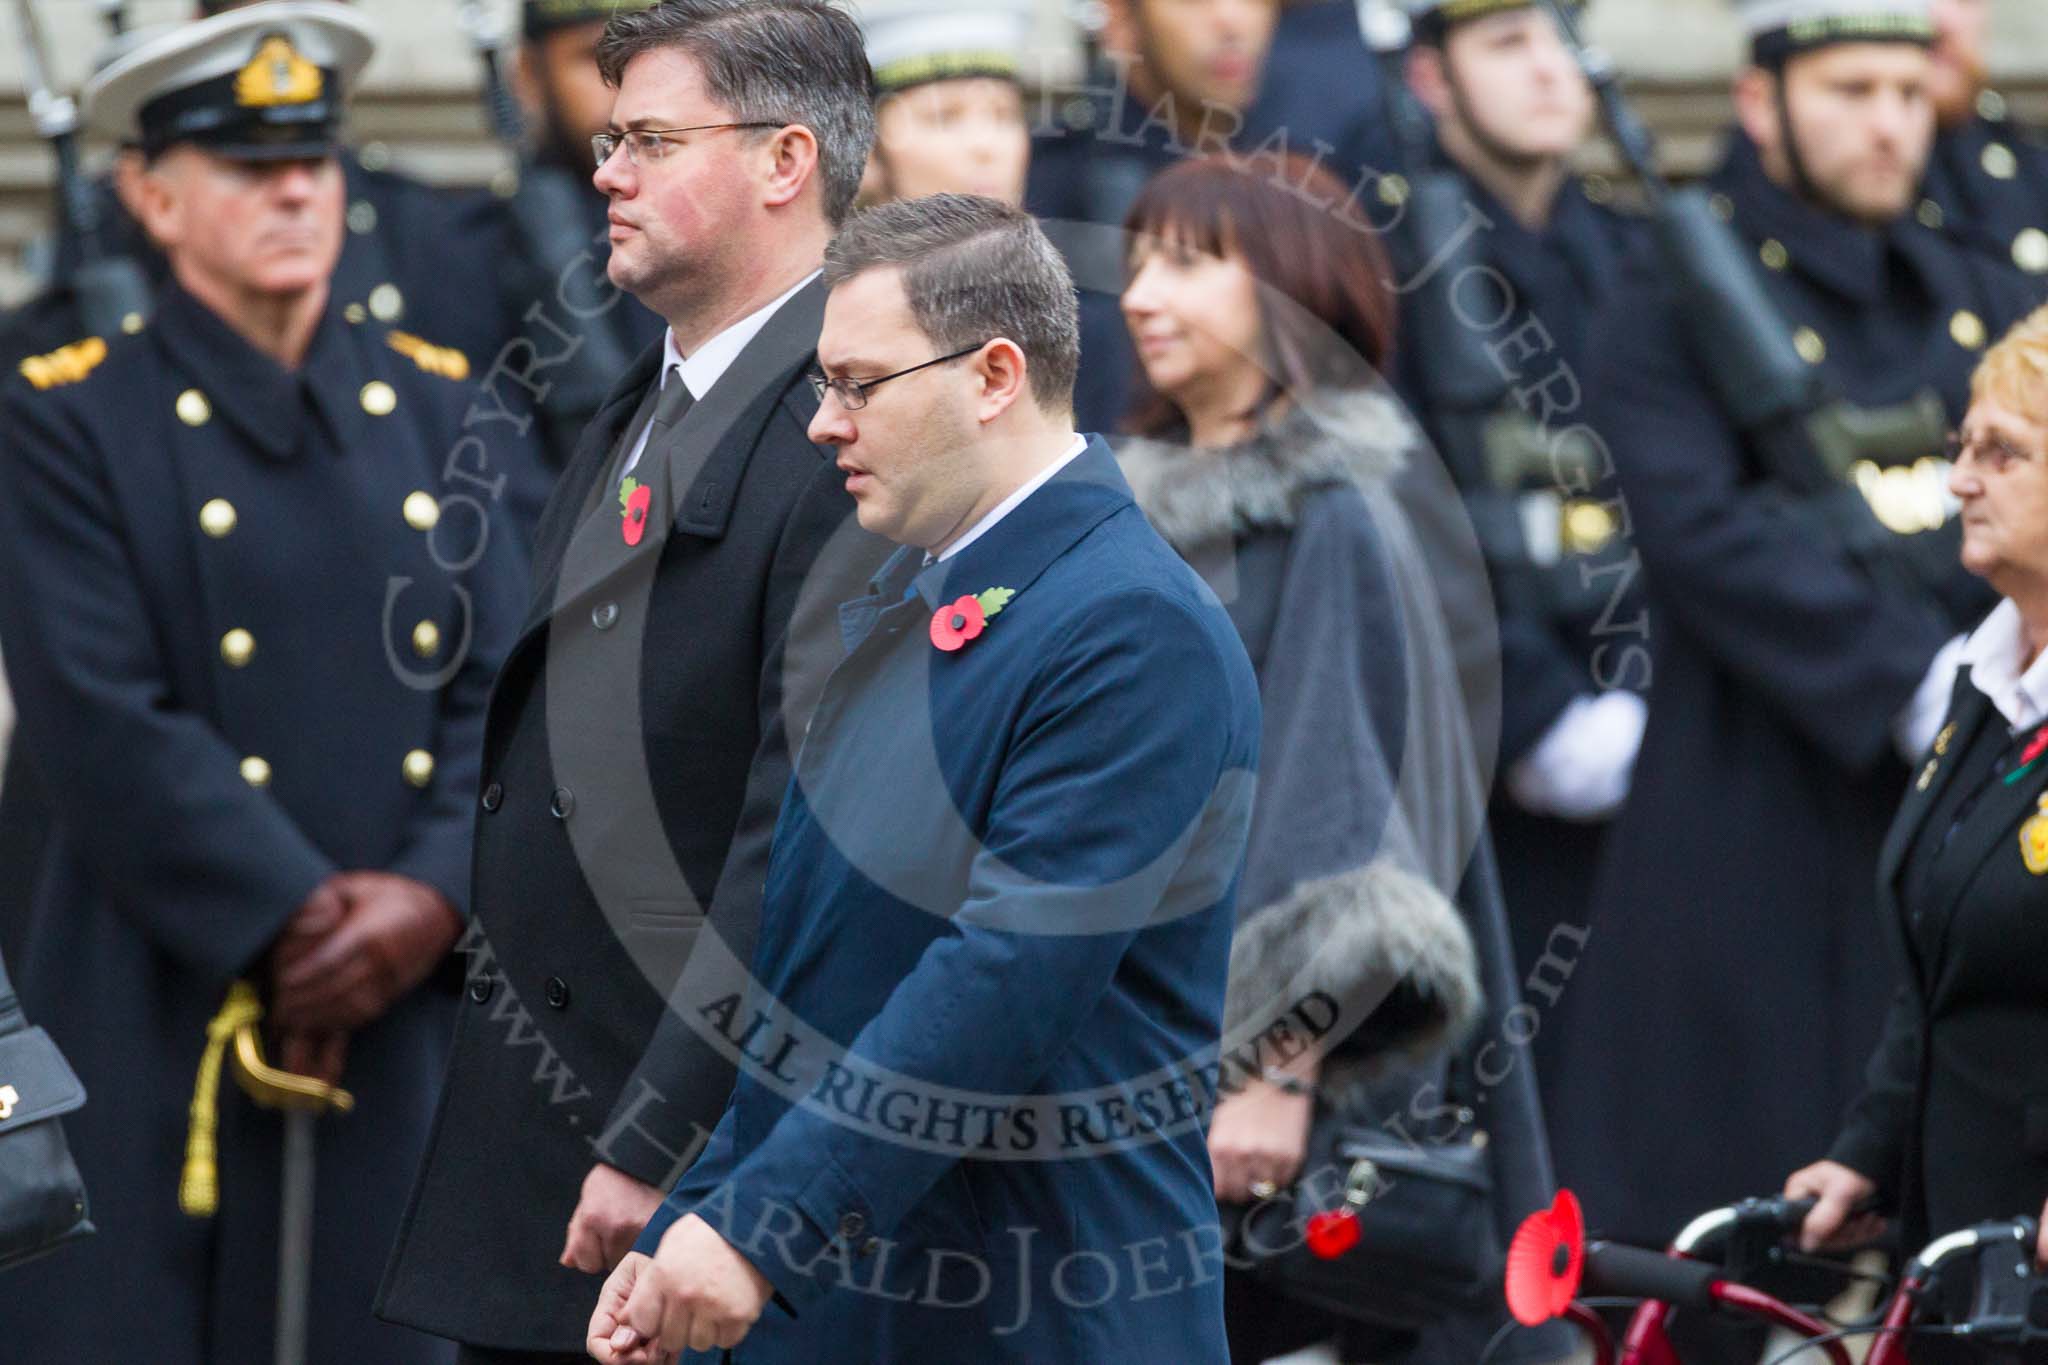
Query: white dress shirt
x,y
700,371
1994,653
1011,503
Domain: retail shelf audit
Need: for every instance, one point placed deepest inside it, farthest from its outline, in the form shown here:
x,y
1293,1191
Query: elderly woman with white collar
x,y
1952,1127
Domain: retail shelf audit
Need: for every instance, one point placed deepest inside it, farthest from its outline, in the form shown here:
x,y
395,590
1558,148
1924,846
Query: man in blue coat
x,y
989,980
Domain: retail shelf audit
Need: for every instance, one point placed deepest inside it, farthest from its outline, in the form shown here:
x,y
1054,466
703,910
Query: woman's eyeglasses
x,y
853,393
1993,452
647,145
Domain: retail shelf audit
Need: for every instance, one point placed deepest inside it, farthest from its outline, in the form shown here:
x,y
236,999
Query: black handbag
x,y
42,1199
1428,1243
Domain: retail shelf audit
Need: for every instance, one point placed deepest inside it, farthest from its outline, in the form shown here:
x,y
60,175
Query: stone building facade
x,y
419,99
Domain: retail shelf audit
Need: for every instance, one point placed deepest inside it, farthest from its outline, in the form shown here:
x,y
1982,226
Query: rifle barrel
x,y
1638,145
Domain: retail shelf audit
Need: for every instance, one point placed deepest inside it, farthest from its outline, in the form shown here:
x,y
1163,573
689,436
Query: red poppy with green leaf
x,y
634,499
2036,746
966,617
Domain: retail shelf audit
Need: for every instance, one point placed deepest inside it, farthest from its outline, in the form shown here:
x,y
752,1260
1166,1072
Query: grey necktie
x,y
627,483
675,400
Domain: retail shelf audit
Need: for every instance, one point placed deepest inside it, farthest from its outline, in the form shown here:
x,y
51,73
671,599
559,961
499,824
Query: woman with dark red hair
x,y
1270,455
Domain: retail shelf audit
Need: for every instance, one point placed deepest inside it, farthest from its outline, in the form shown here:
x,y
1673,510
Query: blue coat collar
x,y
1010,554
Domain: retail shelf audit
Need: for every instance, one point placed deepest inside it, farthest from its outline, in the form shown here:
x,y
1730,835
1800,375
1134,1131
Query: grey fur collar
x,y
1195,497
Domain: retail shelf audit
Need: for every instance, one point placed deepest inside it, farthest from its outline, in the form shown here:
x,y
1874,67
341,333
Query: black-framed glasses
x,y
644,145
853,393
1994,453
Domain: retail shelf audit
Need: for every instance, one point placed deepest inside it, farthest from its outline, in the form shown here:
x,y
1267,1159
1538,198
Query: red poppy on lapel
x,y
954,625
2035,747
634,499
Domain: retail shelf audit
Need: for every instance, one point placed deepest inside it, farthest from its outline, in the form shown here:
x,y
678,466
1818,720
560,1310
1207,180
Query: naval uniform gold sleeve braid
x,y
207,865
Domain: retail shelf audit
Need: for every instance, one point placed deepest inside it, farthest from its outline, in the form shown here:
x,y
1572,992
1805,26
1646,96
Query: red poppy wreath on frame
x,y
961,620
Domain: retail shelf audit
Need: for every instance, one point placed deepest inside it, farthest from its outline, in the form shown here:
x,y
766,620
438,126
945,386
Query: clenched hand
x,y
339,973
609,1216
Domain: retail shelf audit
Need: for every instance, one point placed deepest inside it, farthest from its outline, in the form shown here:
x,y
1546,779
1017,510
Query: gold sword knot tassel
x,y
236,1023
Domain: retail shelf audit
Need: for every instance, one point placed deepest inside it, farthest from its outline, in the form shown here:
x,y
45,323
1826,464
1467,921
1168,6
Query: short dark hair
x,y
1281,216
973,268
776,61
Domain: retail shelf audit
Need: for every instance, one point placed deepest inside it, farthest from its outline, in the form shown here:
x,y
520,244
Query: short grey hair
x,y
775,61
974,269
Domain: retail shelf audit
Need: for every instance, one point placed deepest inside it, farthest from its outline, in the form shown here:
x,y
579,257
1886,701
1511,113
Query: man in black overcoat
x,y
637,745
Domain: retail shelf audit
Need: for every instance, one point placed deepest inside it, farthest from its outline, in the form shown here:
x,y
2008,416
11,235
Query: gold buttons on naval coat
x,y
2030,251
355,312
421,511
1773,254
237,647
362,217
1588,526
379,398
1929,213
1999,162
419,767
255,771
217,518
1811,348
1968,330
131,323
426,639
386,303
193,409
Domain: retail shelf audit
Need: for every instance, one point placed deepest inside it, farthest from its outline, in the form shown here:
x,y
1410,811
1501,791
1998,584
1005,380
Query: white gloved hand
x,y
1580,769
1914,728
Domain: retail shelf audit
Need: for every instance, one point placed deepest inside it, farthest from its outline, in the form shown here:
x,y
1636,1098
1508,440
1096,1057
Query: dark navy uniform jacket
x,y
1561,277
1569,627
251,621
1004,876
1739,877
1987,184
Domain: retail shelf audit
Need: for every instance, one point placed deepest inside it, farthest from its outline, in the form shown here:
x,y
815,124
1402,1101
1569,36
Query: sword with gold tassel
x,y
232,1038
